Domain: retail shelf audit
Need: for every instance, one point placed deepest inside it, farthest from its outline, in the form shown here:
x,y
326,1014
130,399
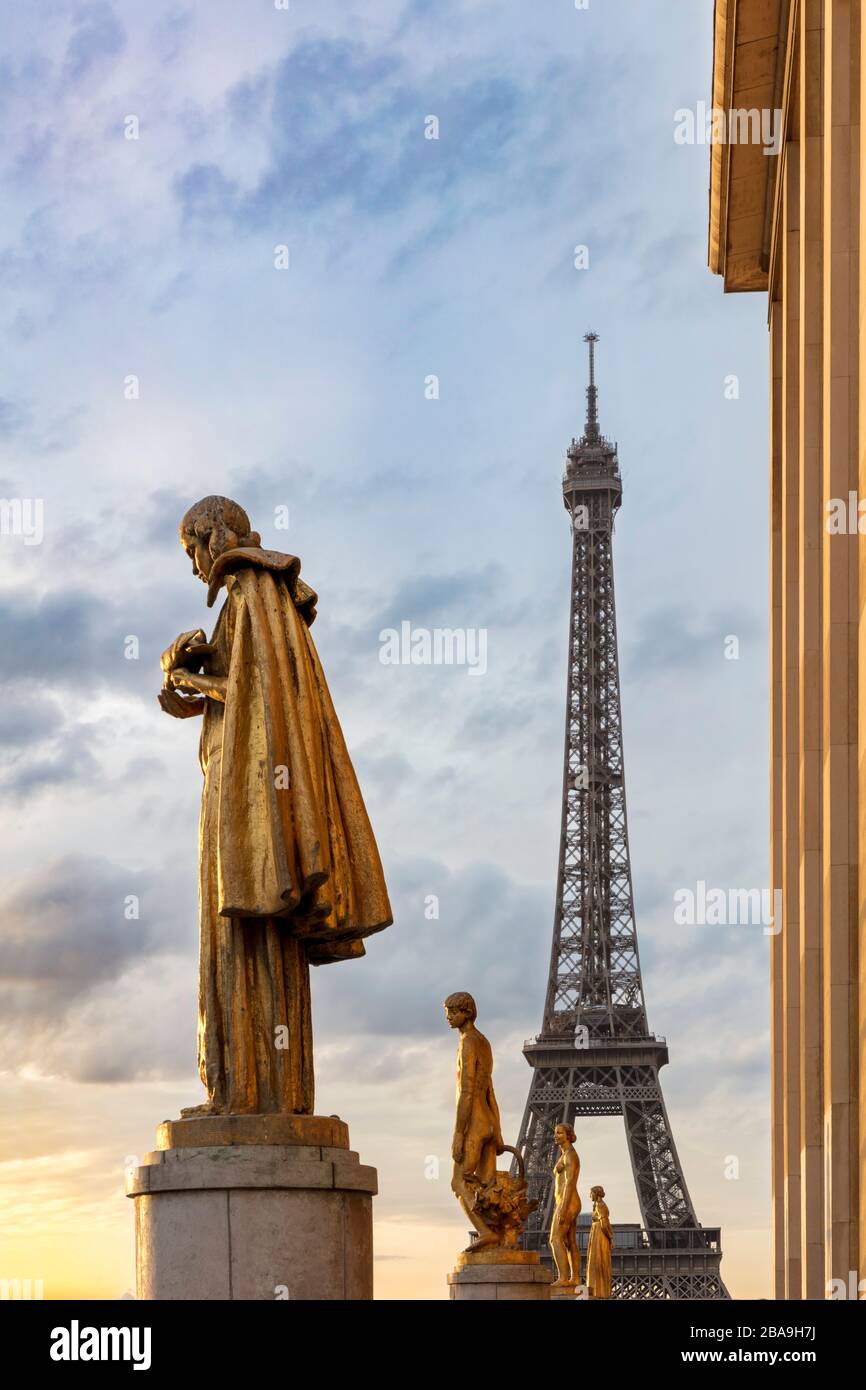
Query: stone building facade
x,y
792,224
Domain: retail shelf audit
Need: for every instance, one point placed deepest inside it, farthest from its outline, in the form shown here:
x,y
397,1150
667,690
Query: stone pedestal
x,y
253,1207
570,1293
501,1274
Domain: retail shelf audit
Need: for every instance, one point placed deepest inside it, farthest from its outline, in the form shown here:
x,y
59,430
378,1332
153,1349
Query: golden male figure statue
x,y
598,1256
477,1134
289,870
566,1210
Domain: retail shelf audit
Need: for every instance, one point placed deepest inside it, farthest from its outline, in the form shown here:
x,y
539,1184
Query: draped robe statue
x,y
598,1256
289,870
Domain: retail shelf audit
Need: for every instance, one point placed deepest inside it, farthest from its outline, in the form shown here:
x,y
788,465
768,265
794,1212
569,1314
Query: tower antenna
x,y
591,430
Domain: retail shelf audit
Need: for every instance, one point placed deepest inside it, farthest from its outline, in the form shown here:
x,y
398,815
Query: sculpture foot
x,y
482,1243
192,1112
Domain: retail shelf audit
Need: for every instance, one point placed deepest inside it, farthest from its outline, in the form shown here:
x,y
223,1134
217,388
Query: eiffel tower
x,y
595,1054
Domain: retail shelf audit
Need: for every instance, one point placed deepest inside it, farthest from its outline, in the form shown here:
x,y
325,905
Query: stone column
x,y
777,766
787,949
253,1207
812,537
499,1273
841,193
859,1004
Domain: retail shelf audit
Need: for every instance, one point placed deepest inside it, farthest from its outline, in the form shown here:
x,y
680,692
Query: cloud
x,y
97,35
79,981
70,960
43,432
172,33
390,772
57,635
49,266
206,195
64,927
76,638
66,758
345,127
495,719
13,418
430,600
674,639
161,517
490,937
27,718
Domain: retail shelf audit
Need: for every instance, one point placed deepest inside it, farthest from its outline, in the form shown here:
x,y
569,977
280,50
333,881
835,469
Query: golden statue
x,y
598,1270
566,1209
494,1202
289,870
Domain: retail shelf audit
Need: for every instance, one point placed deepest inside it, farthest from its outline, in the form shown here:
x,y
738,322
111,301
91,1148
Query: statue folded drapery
x,y
598,1255
289,870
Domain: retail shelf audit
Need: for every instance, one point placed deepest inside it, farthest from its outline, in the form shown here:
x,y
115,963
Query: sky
x,y
232,261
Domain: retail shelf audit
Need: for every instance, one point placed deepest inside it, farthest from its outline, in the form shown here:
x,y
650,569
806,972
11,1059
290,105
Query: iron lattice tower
x,y
595,1054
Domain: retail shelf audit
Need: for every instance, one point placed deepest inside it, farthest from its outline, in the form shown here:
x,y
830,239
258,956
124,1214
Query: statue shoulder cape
x,y
253,557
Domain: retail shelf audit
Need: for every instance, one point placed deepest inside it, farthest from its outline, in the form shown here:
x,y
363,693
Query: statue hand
x,y
180,706
457,1149
175,654
181,679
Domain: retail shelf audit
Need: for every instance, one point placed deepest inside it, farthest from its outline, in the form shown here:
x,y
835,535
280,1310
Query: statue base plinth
x,y
252,1207
204,1131
499,1273
570,1292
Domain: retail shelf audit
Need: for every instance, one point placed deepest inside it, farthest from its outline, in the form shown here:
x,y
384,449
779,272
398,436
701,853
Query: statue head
x,y
459,1009
596,1194
564,1134
212,526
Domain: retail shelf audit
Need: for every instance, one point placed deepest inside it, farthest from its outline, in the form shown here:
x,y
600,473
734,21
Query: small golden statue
x,y
494,1202
290,875
566,1209
598,1258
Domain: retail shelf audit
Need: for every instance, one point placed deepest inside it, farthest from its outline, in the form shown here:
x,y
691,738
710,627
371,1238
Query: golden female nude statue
x,y
566,1209
289,870
598,1258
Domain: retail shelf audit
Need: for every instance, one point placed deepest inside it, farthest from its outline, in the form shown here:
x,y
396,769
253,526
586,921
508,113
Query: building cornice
x,y
749,64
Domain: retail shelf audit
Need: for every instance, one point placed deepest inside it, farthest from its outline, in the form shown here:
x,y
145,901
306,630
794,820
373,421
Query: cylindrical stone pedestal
x,y
499,1273
253,1207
